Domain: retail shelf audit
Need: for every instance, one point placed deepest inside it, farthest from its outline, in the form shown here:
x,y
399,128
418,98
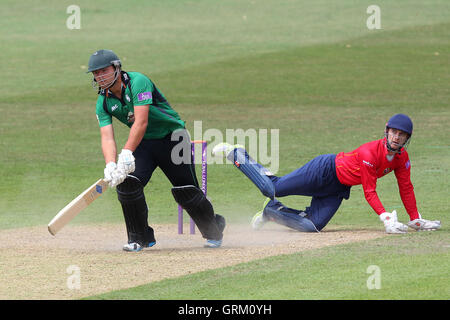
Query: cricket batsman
x,y
133,99
329,178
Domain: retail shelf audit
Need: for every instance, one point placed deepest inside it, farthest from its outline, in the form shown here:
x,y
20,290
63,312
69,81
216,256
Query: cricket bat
x,y
77,205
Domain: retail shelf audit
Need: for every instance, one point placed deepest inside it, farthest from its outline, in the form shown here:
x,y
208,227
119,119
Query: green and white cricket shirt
x,y
138,90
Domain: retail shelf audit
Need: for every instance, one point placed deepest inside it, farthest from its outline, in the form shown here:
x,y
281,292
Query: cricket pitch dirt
x,y
36,265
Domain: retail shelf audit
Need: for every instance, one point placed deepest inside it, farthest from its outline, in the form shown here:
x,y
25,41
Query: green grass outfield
x,y
410,268
308,68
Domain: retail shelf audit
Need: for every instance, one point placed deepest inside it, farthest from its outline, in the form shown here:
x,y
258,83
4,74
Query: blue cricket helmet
x,y
402,122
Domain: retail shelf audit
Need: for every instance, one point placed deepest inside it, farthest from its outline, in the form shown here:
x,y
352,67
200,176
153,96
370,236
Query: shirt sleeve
x,y
406,189
103,117
369,182
142,89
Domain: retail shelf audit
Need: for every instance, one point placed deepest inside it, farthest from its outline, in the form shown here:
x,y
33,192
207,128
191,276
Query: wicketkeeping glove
x,y
424,225
391,223
126,162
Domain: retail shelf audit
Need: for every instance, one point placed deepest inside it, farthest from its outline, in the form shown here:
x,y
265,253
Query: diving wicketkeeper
x,y
329,178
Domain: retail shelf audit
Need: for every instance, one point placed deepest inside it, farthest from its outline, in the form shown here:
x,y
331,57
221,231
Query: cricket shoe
x,y
258,219
424,225
210,243
136,247
213,243
224,148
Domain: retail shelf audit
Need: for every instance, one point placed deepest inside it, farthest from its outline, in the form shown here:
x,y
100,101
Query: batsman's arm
x,y
138,128
109,148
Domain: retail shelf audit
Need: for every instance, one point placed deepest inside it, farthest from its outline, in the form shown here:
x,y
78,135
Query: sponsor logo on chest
x,y
367,163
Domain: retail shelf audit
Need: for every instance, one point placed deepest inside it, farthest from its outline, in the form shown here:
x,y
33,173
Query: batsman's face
x,y
397,138
104,77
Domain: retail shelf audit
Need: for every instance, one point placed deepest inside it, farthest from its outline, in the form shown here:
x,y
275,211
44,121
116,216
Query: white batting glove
x,y
126,162
424,225
117,177
109,169
391,223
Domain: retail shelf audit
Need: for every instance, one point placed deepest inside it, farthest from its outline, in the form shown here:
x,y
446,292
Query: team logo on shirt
x,y
128,98
130,117
114,107
387,170
144,96
407,164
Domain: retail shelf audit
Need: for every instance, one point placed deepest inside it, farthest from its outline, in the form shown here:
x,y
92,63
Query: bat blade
x,y
76,206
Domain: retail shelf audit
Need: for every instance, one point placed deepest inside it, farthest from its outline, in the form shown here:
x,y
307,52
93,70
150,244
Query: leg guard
x,y
295,219
322,209
131,196
253,170
194,201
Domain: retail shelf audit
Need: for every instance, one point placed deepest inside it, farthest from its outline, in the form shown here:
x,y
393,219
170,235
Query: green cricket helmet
x,y
103,58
